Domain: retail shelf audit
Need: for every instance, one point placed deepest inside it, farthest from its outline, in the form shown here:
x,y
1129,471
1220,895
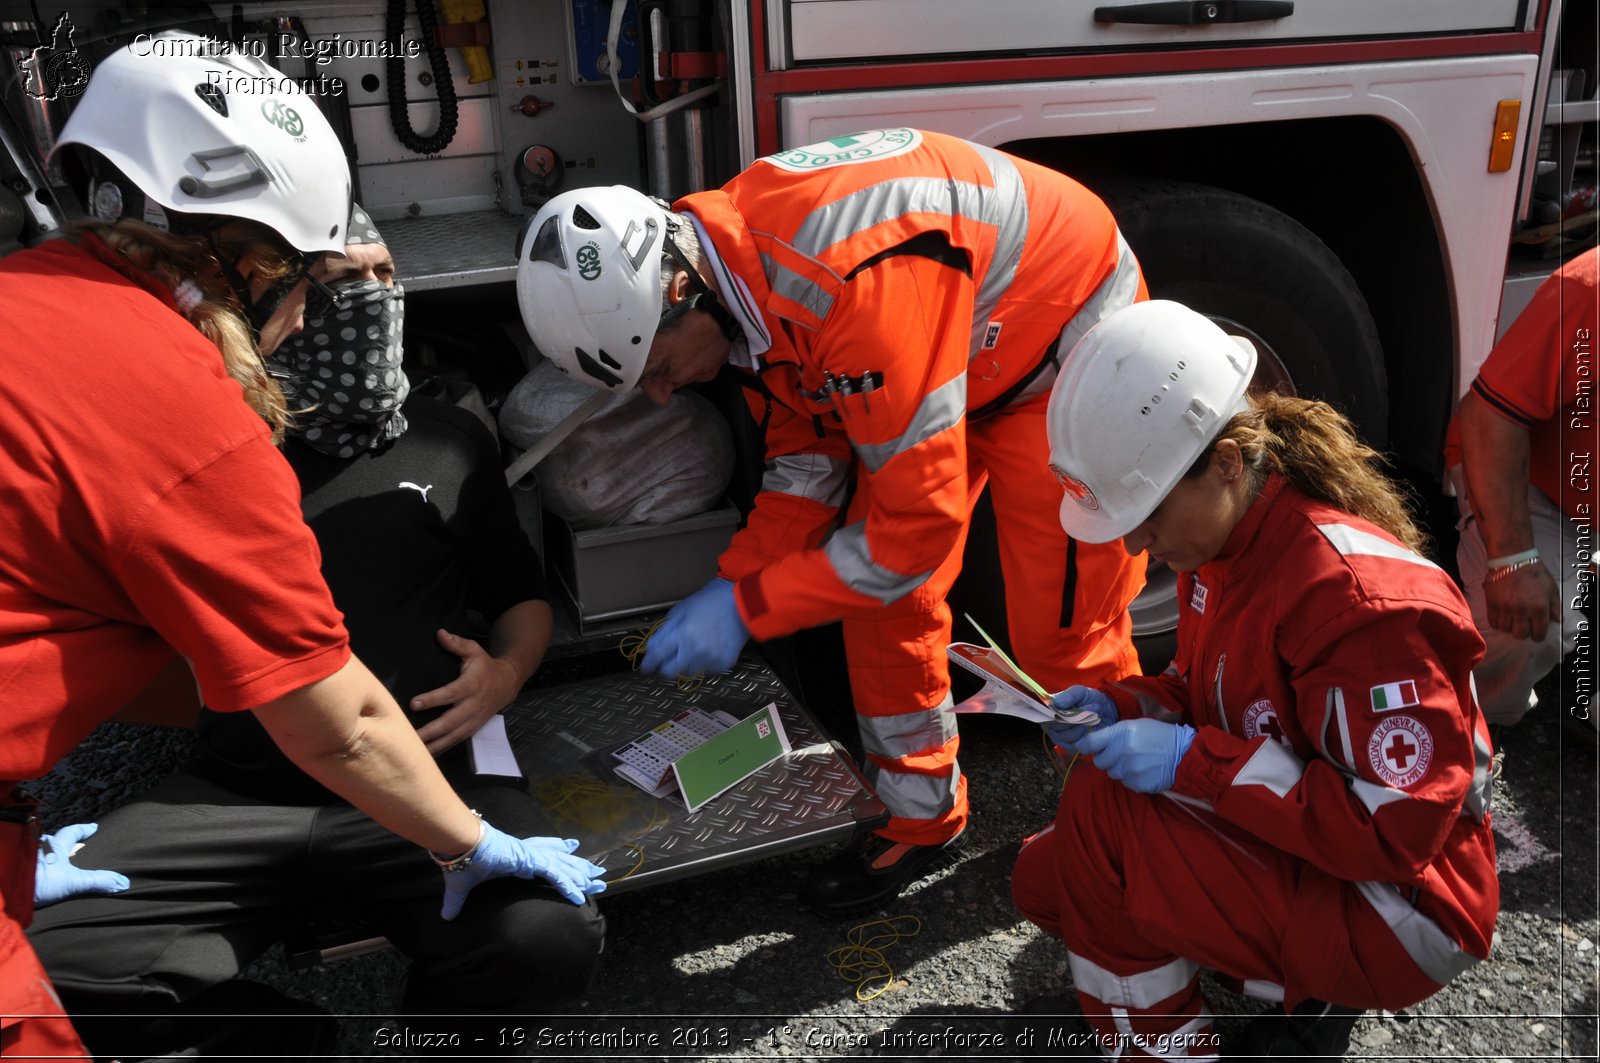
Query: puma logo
x,y
423,491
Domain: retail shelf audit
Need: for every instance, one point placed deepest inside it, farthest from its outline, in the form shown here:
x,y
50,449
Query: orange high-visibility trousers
x,y
1066,606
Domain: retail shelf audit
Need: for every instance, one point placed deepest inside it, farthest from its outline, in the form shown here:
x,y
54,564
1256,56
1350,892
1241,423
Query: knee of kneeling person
x,y
566,938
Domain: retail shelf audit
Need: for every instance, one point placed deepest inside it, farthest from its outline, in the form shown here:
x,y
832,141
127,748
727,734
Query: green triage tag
x,y
725,760
1044,695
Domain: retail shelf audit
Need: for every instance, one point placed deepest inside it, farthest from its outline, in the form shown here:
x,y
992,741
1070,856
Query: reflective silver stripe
x,y
1322,730
1336,695
1222,712
1010,239
1271,766
1481,794
1131,1044
1114,293
1374,796
1261,989
1191,802
1143,990
940,410
915,796
1353,542
789,284
851,557
1428,946
814,476
908,733
1150,707
1004,206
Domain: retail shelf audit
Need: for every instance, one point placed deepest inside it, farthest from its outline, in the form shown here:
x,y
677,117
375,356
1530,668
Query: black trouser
x,y
218,878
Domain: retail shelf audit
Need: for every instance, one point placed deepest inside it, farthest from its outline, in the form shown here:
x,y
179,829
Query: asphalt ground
x,y
729,965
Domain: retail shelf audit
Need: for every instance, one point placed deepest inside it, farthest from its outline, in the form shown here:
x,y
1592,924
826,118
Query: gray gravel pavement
x,y
729,966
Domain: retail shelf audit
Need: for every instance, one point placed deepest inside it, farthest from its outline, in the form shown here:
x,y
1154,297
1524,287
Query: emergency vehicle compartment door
x,y
836,30
562,734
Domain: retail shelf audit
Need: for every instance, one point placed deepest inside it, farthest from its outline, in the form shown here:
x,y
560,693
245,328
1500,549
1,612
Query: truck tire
x,y
1258,273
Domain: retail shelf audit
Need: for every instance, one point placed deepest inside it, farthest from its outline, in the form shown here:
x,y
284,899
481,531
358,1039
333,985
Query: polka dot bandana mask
x,y
342,373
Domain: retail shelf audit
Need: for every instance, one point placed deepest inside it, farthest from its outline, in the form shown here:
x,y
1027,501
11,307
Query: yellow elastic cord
x,y
1052,754
633,647
862,962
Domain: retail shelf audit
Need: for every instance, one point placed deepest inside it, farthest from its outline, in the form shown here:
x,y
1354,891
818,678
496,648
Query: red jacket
x,y
1327,670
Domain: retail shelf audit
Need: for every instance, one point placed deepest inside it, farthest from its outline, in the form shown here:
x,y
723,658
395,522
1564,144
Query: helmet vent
x,y
583,219
612,362
547,245
213,97
594,369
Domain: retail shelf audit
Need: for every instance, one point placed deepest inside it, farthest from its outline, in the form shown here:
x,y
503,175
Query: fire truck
x,y
1367,189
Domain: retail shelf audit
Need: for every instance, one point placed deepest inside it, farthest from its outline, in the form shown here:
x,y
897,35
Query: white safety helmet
x,y
1137,401
589,282
200,129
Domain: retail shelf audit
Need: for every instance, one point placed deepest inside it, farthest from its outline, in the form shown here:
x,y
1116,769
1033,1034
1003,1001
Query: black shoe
x,y
872,871
1316,1030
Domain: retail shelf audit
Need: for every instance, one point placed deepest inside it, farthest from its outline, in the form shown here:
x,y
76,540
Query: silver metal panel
x,y
856,29
376,142
450,250
810,797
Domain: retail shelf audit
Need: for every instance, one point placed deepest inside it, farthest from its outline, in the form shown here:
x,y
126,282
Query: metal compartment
x,y
612,573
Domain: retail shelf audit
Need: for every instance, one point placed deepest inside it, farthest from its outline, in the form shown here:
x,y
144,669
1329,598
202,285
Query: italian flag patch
x,y
1394,695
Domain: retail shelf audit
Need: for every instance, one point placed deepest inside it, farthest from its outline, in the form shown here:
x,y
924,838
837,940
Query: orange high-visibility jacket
x,y
867,364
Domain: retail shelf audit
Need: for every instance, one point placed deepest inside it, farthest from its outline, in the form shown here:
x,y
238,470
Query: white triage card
x,y
491,750
647,760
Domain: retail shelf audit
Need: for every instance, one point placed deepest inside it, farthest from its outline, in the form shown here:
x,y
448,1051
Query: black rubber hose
x,y
399,110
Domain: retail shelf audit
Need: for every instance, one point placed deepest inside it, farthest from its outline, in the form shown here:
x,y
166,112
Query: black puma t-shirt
x,y
413,538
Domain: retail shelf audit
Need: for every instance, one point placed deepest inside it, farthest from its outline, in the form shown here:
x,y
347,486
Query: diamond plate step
x,y
813,796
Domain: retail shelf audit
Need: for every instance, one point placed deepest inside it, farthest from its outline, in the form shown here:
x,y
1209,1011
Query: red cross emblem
x,y
1261,718
1400,750
1075,488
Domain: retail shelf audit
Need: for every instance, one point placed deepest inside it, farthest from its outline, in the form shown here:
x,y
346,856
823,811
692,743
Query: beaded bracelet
x,y
1505,570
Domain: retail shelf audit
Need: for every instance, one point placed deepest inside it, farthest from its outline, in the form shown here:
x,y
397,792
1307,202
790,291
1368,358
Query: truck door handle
x,y
1198,13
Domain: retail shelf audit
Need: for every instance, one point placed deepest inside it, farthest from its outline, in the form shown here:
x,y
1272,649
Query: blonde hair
x,y
1315,447
173,258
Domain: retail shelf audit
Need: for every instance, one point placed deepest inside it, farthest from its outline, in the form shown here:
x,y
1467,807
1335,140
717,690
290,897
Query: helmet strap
x,y
257,312
702,298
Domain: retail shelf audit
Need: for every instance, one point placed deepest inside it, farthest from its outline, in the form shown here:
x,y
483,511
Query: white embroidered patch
x,y
847,150
991,335
1261,718
1197,598
1400,749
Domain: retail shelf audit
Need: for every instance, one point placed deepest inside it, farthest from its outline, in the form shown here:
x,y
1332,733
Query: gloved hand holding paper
x,y
1007,689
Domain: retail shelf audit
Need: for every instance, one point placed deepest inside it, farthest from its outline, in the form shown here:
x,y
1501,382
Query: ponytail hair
x,y
175,258
1315,447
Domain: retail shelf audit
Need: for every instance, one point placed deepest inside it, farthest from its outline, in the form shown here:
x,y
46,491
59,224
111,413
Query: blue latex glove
x,y
55,878
499,855
1141,754
702,633
1068,735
